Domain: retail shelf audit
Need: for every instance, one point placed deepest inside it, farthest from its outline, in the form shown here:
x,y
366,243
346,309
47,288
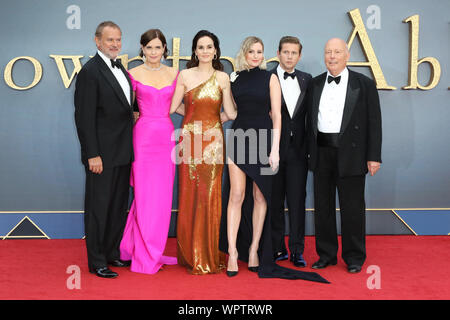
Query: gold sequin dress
x,y
200,180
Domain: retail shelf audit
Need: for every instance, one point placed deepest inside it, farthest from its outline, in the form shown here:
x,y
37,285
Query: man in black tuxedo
x,y
290,181
104,121
345,144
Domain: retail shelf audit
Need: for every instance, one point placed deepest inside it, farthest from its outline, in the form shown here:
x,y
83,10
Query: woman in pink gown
x,y
153,171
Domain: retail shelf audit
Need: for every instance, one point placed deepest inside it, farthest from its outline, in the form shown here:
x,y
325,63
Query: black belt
x,y
328,139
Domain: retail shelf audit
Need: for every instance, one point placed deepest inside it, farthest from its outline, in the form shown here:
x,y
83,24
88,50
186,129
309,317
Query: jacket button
x,y
353,144
356,127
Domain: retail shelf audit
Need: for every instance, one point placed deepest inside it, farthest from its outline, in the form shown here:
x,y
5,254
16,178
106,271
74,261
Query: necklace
x,y
152,69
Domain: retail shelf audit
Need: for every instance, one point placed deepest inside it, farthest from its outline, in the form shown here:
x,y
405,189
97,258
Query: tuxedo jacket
x,y
360,132
103,116
294,128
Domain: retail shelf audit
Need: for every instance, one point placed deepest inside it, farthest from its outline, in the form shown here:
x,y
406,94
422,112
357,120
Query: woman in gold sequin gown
x,y
200,154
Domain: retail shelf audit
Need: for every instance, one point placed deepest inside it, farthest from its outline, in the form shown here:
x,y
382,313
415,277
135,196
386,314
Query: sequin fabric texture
x,y
200,180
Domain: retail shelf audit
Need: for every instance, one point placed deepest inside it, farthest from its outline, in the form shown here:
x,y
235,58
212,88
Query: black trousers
x,y
290,184
352,208
106,204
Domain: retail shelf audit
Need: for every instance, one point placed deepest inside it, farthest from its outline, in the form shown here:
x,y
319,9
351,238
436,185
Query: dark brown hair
x,y
290,39
216,61
101,26
151,34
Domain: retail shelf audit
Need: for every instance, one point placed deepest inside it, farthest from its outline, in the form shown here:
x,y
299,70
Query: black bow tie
x,y
286,75
116,63
331,79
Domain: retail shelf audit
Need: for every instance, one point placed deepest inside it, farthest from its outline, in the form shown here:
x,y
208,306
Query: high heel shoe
x,y
232,273
253,268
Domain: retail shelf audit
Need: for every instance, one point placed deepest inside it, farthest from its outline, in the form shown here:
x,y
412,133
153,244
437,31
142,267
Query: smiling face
x,y
289,56
110,42
205,49
336,56
255,55
153,51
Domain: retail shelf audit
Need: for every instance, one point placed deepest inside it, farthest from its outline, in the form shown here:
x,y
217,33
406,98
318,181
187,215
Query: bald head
x,y
336,55
336,42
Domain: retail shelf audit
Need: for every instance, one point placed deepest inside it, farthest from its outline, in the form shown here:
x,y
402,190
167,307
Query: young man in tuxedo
x,y
290,181
345,144
104,121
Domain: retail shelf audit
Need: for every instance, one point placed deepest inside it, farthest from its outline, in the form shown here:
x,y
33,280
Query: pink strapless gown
x,y
152,176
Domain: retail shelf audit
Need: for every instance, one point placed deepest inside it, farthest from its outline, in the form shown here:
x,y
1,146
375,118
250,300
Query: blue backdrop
x,y
41,176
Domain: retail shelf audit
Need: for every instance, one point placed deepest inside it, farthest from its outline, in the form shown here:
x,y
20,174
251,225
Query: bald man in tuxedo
x,y
344,145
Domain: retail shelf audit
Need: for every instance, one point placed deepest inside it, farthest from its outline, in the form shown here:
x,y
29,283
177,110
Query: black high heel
x,y
253,269
232,273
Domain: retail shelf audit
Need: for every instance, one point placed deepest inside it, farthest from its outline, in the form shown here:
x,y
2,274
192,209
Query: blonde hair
x,y
241,62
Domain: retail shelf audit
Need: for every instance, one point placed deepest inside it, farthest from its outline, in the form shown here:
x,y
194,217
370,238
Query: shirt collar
x,y
281,72
105,58
343,75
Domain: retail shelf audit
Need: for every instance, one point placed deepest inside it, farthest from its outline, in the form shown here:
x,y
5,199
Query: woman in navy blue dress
x,y
253,157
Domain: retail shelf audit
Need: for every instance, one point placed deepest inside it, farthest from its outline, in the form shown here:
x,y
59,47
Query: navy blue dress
x,y
248,146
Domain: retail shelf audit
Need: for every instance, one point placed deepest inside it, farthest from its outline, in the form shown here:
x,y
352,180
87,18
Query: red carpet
x,y
411,267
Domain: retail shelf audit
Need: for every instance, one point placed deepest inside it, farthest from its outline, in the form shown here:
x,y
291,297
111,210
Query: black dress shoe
x,y
119,263
297,260
354,268
323,264
280,256
103,272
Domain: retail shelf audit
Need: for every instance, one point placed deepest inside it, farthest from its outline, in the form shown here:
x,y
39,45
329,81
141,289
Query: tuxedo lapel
x,y
112,81
317,93
129,82
350,100
283,102
302,84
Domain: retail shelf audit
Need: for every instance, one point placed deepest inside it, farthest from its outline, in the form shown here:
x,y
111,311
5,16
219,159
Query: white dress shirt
x,y
118,73
290,89
332,102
